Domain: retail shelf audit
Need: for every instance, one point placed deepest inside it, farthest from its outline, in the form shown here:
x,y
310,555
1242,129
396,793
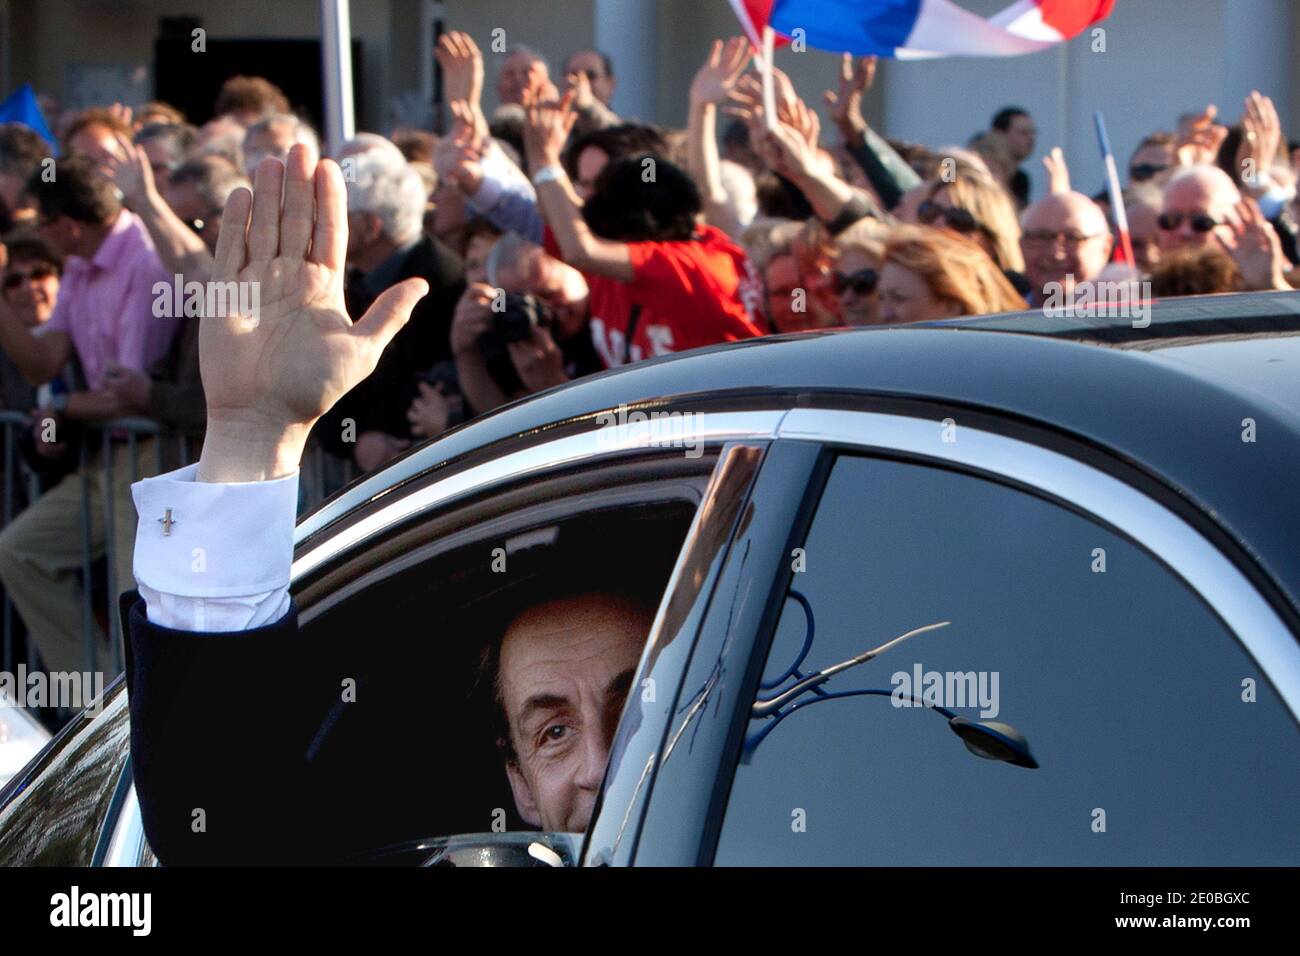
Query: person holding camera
x,y
524,329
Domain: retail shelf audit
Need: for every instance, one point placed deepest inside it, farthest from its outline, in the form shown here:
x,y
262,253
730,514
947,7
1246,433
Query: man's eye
x,y
554,732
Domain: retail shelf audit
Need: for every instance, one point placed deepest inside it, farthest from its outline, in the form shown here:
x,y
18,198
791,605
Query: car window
x,y
406,639
1157,739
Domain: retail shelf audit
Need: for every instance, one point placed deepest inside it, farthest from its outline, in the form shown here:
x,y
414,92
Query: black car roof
x,y
1170,398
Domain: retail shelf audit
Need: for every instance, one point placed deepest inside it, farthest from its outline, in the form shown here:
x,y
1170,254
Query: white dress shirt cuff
x,y
212,556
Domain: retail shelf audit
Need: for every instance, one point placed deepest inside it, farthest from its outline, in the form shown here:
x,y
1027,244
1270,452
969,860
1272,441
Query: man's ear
x,y
523,794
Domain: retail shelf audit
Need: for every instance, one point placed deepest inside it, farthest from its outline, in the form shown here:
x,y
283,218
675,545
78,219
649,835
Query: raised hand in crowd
x,y
1058,171
131,173
1256,248
462,66
1261,140
856,77
432,410
1199,138
269,378
714,84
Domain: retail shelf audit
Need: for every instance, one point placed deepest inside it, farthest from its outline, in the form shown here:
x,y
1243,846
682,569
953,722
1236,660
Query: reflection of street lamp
x,y
990,739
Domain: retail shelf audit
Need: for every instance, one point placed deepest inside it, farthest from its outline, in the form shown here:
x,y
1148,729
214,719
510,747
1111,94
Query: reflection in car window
x,y
1158,741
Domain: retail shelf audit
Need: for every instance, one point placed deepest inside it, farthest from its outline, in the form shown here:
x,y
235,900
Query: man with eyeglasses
x,y
1066,240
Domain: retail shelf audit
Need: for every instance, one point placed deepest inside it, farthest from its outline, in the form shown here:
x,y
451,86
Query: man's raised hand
x,y
269,376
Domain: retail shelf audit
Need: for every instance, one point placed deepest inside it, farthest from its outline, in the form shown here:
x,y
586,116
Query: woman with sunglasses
x,y
969,201
31,278
859,255
932,274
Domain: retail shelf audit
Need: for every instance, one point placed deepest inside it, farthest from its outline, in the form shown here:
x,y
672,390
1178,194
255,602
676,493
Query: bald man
x,y
1066,240
1198,209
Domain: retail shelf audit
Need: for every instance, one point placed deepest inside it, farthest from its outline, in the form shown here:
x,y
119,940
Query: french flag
x,y
916,29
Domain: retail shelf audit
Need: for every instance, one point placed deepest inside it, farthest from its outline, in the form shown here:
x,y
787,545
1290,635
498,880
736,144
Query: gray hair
x,y
302,131
214,178
178,137
508,250
390,189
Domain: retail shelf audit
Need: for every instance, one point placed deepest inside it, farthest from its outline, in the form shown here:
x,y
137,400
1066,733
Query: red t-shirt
x,y
689,293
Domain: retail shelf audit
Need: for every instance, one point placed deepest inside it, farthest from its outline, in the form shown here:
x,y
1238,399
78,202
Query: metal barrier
x,y
321,475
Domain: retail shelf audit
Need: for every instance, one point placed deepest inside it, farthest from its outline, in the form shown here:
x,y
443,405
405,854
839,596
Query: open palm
x,y
285,363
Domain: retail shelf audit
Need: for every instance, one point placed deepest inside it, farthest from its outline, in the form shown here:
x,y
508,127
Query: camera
x,y
514,323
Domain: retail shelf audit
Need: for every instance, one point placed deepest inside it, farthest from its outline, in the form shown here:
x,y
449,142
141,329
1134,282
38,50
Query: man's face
x,y
65,233
560,285
1196,214
190,207
1063,239
591,162
516,75
566,669
273,140
30,288
591,63
96,142
1022,137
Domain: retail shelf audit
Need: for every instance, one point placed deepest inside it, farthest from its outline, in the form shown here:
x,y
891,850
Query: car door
x,y
1136,693
350,579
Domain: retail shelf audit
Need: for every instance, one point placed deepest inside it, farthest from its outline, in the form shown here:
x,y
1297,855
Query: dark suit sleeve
x,y
223,728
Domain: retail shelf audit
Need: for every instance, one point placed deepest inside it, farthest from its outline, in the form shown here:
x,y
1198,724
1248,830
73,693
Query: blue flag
x,y
22,107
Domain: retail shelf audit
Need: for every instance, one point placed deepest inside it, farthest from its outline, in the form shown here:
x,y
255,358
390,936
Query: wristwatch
x,y
59,403
547,174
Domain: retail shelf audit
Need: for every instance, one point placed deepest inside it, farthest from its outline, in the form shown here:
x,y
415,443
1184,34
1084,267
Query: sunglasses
x,y
1144,171
954,217
862,282
14,279
1200,222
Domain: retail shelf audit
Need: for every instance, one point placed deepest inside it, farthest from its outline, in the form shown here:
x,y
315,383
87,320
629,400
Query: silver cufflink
x,y
167,521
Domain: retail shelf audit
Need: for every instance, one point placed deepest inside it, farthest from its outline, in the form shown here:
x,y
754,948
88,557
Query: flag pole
x,y
1115,192
769,88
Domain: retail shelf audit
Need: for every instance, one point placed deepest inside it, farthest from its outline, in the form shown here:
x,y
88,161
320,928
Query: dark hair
x,y
179,137
77,191
629,206
1195,272
1002,119
26,246
250,93
616,142
21,150
417,145
605,61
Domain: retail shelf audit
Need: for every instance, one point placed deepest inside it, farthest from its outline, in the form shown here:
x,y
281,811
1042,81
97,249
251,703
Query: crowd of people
x,y
559,239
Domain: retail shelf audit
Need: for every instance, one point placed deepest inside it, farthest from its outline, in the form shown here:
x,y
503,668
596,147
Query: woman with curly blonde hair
x,y
966,199
931,274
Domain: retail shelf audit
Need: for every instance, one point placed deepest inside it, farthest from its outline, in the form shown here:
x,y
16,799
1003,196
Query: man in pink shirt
x,y
104,316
